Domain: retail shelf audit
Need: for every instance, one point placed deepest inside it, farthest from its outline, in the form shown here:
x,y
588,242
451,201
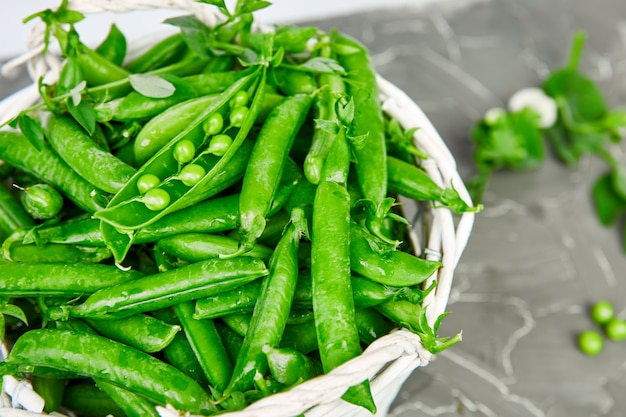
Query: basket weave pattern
x,y
388,361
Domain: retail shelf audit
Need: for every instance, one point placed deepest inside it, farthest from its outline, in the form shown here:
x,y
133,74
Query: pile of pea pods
x,y
208,223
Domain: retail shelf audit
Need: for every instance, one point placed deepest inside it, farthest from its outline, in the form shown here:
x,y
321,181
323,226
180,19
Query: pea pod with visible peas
x,y
122,213
123,366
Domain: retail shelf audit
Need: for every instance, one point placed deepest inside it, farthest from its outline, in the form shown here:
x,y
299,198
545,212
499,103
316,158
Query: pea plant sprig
x,y
570,113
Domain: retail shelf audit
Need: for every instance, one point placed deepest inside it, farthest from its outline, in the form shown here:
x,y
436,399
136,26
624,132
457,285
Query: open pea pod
x,y
127,211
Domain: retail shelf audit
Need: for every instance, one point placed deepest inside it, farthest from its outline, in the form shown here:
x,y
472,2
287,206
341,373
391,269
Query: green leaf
x,y
344,108
219,3
249,6
153,86
322,65
198,36
619,180
609,205
14,311
84,114
31,129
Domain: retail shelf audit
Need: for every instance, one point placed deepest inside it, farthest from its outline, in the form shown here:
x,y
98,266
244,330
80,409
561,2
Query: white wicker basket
x,y
388,361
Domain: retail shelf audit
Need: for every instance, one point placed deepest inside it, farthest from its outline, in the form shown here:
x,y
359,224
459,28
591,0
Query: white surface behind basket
x,y
389,360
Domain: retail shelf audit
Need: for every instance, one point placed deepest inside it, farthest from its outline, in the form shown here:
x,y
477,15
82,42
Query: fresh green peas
x,y
615,329
240,99
237,115
42,201
219,144
602,312
213,124
147,182
184,151
191,174
156,199
590,342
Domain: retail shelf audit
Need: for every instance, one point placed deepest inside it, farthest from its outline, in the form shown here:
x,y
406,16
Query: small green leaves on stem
x,y
428,335
12,310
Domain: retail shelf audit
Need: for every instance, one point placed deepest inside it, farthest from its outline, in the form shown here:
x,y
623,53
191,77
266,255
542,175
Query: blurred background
x,y
538,257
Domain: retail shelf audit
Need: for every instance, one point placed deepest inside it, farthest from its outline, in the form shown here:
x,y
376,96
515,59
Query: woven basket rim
x,y
446,240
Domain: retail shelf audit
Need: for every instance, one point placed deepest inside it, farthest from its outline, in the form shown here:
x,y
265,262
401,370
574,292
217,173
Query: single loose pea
x,y
147,182
237,115
241,98
213,124
191,174
590,342
41,201
615,329
156,199
219,144
602,312
184,151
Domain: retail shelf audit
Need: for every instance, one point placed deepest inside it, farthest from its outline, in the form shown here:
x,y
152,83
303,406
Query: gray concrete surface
x,y
538,257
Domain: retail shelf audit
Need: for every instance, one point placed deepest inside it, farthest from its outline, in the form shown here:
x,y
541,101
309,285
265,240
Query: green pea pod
x,y
132,405
292,81
51,390
103,77
413,182
195,247
389,267
232,340
207,345
325,126
162,53
12,214
166,126
179,353
86,399
100,168
301,337
371,325
122,366
183,194
266,165
135,106
333,303
126,212
290,367
52,252
140,331
270,314
33,279
369,124
240,300
166,289
49,167
113,47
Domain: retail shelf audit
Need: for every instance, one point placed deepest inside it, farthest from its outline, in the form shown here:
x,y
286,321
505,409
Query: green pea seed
x,y
615,329
590,342
241,98
237,115
602,312
184,151
219,144
213,124
191,174
42,201
156,199
147,182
